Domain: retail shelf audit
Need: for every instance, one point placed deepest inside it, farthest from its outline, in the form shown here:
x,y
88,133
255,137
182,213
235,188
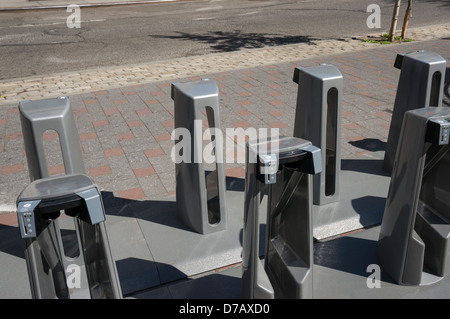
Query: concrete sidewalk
x,y
124,118
125,114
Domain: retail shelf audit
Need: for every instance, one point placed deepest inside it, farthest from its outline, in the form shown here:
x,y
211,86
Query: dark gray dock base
x,y
340,272
158,257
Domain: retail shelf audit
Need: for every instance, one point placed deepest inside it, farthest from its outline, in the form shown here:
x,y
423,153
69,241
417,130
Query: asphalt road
x,y
40,43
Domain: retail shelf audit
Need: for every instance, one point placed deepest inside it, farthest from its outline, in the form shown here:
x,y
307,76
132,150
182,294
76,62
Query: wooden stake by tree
x,y
394,20
406,20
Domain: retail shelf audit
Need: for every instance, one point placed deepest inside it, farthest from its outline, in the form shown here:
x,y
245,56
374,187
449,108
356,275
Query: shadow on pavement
x,y
235,40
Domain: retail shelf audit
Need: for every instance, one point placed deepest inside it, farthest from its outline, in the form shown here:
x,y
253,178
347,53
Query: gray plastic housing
x,y
201,202
58,189
287,268
41,203
49,257
50,114
414,241
421,84
318,119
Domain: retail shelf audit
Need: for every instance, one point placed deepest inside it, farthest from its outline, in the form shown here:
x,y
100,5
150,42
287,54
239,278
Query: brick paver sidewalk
x,y
125,124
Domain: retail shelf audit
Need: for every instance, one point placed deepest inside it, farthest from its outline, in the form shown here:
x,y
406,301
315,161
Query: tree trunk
x,y
406,20
394,20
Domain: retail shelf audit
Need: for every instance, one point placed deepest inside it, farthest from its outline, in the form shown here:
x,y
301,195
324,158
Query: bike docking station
x,y
313,228
380,235
198,229
202,211
67,258
148,244
421,84
349,193
304,223
407,255
370,235
284,167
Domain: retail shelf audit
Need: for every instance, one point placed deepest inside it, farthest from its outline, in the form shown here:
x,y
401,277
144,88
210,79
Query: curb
x,y
90,80
87,5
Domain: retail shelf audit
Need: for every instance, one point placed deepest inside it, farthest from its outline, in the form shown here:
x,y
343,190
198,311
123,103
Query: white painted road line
x,y
50,24
209,8
203,19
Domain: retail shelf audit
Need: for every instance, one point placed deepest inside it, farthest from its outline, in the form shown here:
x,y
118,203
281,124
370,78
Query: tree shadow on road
x,y
222,41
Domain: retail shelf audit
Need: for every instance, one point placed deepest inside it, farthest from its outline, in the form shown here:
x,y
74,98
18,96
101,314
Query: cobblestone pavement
x,y
130,75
